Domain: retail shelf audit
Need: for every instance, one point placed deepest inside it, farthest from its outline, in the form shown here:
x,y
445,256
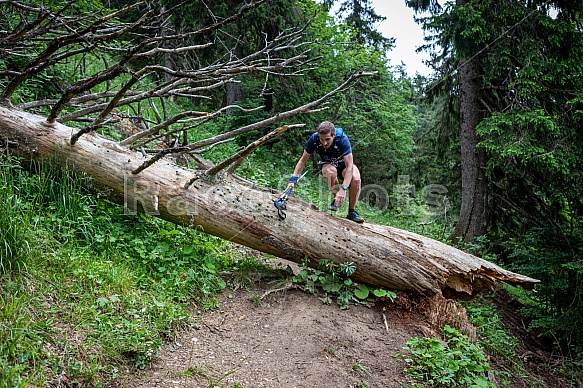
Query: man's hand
x,y
340,197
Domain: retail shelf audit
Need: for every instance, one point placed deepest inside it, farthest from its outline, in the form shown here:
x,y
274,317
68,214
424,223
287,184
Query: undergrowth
x,y
331,283
86,289
494,338
457,363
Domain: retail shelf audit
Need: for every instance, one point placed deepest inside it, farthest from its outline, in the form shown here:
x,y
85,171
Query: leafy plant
x,y
458,364
332,279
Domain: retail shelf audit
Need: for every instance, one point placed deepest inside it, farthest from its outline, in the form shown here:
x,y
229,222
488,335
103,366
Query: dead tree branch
x,y
47,56
280,116
250,148
258,125
83,37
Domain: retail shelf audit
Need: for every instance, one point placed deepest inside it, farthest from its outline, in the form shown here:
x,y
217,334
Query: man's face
x,y
327,140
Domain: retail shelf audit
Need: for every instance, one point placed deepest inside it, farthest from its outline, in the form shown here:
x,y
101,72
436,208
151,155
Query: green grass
x,y
13,222
86,290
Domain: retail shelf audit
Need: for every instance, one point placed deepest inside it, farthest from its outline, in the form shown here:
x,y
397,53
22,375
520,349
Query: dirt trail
x,y
288,339
265,338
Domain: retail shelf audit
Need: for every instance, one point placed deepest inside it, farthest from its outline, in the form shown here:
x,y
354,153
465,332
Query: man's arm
x,y
349,163
340,196
299,167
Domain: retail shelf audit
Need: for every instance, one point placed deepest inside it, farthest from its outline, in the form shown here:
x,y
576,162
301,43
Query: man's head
x,y
326,133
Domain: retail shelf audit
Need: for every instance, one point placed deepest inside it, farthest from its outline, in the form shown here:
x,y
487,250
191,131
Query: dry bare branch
x,y
77,39
280,116
252,127
198,116
69,38
250,148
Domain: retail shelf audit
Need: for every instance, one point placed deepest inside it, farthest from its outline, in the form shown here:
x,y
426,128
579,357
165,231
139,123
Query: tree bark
x,y
239,211
473,216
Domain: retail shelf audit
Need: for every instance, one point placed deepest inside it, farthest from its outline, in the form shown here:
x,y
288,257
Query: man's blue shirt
x,y
340,148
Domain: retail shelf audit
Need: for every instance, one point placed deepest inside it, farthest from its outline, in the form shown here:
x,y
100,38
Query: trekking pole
x,y
280,203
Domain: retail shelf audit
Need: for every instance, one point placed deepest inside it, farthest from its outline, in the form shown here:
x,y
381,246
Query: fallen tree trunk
x,y
236,210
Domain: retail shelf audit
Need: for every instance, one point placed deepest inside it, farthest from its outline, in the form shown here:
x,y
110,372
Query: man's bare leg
x,y
331,175
355,188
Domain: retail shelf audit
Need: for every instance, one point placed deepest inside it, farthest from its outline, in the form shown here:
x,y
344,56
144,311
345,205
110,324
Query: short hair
x,y
326,128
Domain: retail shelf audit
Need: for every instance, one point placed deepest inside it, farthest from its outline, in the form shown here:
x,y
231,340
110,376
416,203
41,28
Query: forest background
x,y
485,154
